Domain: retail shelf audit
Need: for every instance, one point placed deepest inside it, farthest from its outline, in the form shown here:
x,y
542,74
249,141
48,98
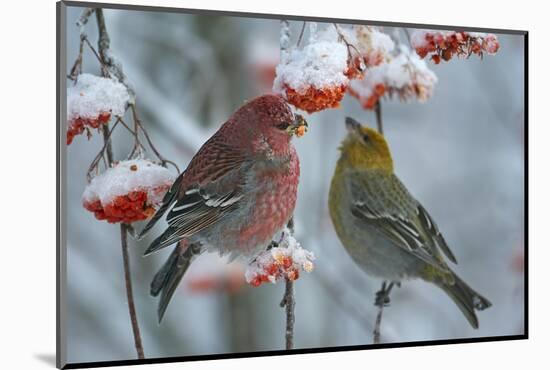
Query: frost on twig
x,y
110,62
447,44
128,192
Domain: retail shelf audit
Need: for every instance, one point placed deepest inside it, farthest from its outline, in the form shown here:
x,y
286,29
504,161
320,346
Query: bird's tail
x,y
467,299
168,277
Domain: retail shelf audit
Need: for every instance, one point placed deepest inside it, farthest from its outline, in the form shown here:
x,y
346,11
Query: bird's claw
x,y
383,295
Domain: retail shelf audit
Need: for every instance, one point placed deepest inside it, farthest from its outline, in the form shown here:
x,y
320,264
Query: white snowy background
x,y
460,154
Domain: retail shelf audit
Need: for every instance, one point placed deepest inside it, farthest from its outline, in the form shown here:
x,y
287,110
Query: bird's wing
x,y
213,187
382,201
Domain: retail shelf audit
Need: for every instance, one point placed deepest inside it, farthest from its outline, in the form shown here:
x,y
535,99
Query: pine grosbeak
x,y
386,231
236,193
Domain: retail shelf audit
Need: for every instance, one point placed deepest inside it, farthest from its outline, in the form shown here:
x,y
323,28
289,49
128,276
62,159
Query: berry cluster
x,y
78,125
92,101
313,78
282,262
368,101
372,45
128,192
405,76
127,208
445,45
315,99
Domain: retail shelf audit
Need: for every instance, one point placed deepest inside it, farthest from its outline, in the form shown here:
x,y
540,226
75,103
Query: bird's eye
x,y
365,138
283,125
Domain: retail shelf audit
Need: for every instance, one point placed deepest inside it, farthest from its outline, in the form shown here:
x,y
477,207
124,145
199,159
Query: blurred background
x,y
460,154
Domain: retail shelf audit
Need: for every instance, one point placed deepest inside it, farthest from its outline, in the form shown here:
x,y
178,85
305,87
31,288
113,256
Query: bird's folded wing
x,y
382,201
211,190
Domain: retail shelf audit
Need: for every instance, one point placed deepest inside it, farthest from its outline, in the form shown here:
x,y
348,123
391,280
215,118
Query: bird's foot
x,y
383,295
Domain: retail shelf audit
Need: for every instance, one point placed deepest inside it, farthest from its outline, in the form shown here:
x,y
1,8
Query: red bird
x,y
236,193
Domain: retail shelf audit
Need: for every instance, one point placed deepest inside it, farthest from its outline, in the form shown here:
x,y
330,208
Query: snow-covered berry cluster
x,y
282,262
128,192
91,102
405,76
317,76
446,44
313,78
370,48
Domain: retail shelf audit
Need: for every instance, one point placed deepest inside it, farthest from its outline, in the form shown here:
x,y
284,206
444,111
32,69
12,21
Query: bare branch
x,y
382,300
129,292
301,34
378,113
288,302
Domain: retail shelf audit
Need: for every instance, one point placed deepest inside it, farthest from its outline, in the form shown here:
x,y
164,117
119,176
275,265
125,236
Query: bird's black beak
x,y
298,127
352,125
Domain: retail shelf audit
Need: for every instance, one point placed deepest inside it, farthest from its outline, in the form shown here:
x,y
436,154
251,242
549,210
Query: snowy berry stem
x,y
129,291
378,113
382,300
288,301
103,46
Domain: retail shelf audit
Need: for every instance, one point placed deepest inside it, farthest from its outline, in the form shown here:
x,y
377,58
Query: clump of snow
x,y
284,261
374,45
92,96
127,177
406,75
319,65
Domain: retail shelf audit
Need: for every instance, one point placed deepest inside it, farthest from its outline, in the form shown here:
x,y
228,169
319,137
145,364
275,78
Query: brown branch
x,y
349,46
103,46
378,113
382,300
129,291
288,302
301,34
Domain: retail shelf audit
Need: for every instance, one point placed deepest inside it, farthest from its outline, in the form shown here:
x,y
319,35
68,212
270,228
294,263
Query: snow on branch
x,y
445,45
91,102
284,261
405,76
316,76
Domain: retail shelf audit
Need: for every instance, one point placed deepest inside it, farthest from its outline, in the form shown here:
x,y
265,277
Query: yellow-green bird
x,y
386,231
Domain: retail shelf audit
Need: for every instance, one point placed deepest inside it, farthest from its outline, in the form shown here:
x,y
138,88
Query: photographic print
x,y
252,184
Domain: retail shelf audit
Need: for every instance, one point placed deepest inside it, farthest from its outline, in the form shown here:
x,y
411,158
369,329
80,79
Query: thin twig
x,y
378,113
407,33
77,66
288,302
382,300
137,142
83,19
129,291
159,156
106,144
103,46
301,34
104,43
